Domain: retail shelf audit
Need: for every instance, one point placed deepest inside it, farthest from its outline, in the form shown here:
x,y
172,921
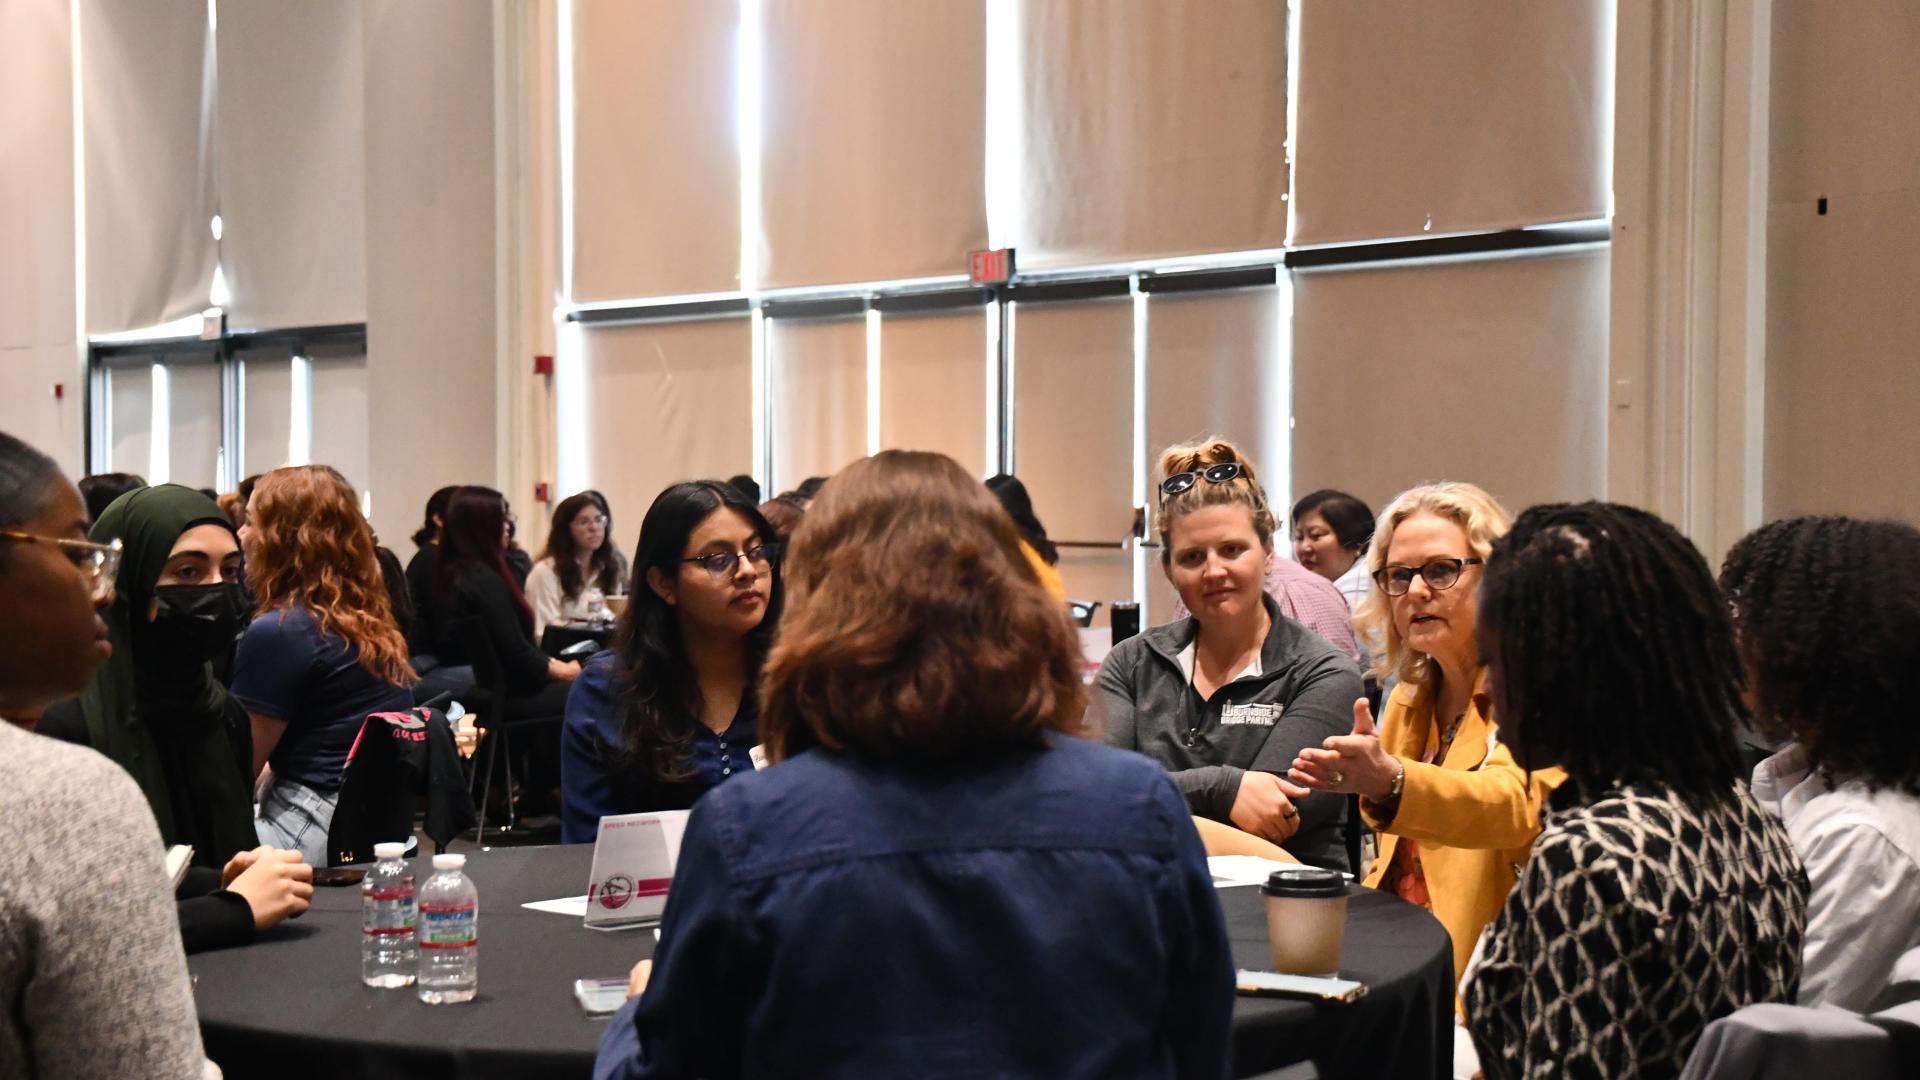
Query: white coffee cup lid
x,y
389,851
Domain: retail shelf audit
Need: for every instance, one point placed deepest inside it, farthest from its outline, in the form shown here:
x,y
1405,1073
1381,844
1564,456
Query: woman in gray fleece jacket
x,y
92,975
1225,698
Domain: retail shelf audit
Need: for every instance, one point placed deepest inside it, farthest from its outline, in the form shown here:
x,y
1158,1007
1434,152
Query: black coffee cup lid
x,y
1305,881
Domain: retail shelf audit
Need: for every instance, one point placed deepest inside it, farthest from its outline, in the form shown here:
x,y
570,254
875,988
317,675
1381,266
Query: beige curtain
x,y
1493,371
1150,128
338,402
933,384
1450,116
193,416
36,176
1073,434
656,166
666,402
1213,368
146,77
266,404
130,419
874,129
292,162
818,396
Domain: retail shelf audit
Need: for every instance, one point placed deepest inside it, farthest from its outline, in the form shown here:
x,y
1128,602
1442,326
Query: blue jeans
x,y
295,816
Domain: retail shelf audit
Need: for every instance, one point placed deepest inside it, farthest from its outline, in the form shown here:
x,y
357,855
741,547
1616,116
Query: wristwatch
x,y
1399,781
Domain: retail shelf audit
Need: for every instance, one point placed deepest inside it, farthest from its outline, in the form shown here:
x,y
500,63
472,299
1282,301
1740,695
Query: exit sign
x,y
993,267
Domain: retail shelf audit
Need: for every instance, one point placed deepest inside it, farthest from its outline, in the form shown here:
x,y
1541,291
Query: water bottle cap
x,y
389,851
449,862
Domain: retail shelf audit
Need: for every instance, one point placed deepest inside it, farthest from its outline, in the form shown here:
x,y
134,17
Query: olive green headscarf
x,y
166,727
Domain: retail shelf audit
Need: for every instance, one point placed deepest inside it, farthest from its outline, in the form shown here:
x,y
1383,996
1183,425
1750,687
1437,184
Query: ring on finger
x,y
1337,777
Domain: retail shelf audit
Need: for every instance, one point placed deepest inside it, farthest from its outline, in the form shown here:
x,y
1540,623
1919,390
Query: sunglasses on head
x,y
1225,472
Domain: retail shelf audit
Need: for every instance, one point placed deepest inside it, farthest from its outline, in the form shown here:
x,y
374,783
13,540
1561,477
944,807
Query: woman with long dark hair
x,y
670,711
581,560
423,570
1041,552
323,652
474,583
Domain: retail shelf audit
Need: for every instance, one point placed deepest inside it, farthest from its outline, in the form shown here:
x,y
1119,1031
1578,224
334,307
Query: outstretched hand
x,y
1350,764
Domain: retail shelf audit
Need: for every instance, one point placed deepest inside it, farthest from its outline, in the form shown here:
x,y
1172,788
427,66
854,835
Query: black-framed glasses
x,y
1441,574
99,562
1213,474
721,563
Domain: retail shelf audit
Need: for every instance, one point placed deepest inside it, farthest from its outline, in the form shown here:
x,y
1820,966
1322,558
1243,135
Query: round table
x,y
292,1004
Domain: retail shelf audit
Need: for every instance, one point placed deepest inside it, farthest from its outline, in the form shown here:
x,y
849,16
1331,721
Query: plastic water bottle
x,y
386,920
449,934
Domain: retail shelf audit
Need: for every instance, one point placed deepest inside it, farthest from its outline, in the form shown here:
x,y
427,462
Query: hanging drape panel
x,y
1073,434
266,403
130,419
146,73
339,406
292,162
818,408
666,402
933,384
193,438
656,162
1213,368
36,176
873,135
1450,116
1493,371
1149,129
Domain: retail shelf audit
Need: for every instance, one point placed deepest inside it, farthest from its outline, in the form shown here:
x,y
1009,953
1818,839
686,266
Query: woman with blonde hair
x,y
1227,697
932,839
322,652
1455,813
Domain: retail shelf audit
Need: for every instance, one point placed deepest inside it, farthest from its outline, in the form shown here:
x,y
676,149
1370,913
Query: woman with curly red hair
x,y
322,653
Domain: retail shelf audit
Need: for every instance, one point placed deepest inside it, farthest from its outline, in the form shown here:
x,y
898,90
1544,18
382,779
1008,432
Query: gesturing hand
x,y
1264,806
1350,763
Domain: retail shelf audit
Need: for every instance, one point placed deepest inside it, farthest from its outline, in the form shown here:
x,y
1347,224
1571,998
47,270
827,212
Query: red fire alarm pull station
x,y
542,493
543,365
59,391
993,267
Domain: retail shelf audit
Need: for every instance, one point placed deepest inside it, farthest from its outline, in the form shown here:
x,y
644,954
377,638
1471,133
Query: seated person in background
x,y
100,489
1226,698
784,514
1456,816
519,563
393,577
936,877
1828,615
1039,550
1304,597
423,573
671,712
581,562
1660,896
321,655
90,960
747,486
1331,531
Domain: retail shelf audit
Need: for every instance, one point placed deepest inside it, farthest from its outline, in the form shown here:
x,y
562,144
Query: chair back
x,y
396,757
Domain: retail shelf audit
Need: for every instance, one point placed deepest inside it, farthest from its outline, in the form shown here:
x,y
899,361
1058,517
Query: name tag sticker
x,y
758,756
1255,713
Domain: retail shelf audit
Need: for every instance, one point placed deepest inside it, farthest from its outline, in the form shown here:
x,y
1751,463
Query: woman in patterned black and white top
x,y
1659,896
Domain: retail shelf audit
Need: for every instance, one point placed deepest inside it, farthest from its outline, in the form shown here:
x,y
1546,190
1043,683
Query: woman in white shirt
x,y
1331,531
1828,611
580,565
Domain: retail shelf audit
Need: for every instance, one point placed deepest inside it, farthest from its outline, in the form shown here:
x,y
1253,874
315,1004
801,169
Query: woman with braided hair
x,y
1660,895
1827,610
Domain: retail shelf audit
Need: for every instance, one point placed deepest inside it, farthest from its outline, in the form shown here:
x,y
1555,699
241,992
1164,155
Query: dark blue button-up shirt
x,y
595,781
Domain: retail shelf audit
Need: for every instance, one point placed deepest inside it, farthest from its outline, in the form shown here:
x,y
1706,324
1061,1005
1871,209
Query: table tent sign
x,y
633,862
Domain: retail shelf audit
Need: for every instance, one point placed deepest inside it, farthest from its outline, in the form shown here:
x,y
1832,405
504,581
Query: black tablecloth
x,y
292,1005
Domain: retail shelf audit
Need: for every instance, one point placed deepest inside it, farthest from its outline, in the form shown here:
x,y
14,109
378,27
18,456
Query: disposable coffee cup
x,y
1306,919
616,603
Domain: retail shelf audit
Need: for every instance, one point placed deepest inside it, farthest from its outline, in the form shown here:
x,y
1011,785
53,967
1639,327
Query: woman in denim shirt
x,y
935,876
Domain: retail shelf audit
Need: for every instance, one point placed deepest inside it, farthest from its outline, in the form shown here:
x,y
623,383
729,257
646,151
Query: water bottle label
x,y
448,927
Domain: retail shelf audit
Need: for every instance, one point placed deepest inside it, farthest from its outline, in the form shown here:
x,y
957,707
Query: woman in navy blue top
x,y
669,711
323,653
935,876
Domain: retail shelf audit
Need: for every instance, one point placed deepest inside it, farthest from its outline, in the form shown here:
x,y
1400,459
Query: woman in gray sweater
x,y
91,969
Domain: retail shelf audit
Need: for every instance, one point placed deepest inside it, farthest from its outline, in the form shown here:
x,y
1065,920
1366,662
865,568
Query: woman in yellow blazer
x,y
1455,813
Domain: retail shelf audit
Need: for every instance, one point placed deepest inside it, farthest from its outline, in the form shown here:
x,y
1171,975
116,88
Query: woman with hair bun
x,y
1226,697
323,652
1331,531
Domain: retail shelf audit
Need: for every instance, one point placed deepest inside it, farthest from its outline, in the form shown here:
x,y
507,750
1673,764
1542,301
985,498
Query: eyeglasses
x,y
595,522
721,563
99,562
1441,574
1213,474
